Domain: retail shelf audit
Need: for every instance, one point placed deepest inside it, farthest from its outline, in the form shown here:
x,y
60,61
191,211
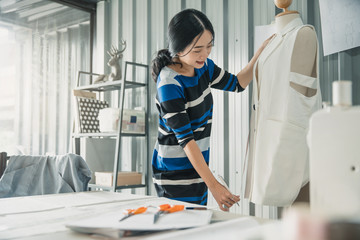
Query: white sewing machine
x,y
334,143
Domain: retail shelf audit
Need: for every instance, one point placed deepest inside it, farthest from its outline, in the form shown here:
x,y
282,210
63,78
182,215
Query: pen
x,y
196,208
222,181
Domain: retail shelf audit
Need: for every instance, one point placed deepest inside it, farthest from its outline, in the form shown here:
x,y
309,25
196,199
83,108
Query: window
x,y
43,44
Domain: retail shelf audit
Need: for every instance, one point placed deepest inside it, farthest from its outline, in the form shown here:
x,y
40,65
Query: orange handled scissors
x,y
132,212
167,208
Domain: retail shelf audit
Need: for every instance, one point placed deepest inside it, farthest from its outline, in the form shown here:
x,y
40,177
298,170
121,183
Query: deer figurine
x,y
115,55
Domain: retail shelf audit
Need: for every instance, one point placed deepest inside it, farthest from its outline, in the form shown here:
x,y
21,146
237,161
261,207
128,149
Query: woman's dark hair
x,y
182,30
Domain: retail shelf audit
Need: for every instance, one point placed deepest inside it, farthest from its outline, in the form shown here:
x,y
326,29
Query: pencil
x,y
222,181
196,208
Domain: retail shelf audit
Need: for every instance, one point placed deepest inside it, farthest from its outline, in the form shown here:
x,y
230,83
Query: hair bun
x,y
162,59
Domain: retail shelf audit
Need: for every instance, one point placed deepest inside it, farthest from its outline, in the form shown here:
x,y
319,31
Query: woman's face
x,y
195,56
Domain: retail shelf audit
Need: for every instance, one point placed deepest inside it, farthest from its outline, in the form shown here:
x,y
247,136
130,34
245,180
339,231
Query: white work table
x,y
45,216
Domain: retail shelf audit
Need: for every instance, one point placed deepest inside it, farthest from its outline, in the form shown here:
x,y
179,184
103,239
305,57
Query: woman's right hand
x,y
223,197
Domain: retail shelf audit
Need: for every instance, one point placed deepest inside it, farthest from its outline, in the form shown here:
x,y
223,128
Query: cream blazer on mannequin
x,y
277,164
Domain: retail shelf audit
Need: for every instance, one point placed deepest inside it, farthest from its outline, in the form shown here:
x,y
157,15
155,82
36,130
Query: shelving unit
x,y
120,86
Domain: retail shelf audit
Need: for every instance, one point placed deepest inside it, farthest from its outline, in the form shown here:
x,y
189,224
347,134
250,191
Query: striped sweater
x,y
185,107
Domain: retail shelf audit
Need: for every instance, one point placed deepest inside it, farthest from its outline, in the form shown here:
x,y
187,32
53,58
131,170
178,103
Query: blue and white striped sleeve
x,y
221,79
171,104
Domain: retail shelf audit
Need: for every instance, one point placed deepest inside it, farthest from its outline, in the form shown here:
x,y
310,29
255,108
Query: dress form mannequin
x,y
304,52
303,60
286,92
284,4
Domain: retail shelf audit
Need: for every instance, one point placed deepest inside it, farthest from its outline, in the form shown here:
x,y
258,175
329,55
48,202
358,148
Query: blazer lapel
x,y
277,40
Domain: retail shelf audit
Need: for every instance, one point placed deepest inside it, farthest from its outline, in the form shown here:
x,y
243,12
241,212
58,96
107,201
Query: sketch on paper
x,y
340,25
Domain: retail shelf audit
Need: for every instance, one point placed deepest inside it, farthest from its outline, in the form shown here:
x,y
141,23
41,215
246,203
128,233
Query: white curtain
x,y
46,63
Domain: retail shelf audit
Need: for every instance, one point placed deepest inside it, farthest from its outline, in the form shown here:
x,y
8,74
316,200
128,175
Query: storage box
x,y
124,178
108,119
133,120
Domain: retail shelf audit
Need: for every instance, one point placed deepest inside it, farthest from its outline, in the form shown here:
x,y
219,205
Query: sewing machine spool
x,y
342,93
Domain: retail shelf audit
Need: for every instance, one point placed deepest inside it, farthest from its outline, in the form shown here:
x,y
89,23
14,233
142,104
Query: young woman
x,y
184,75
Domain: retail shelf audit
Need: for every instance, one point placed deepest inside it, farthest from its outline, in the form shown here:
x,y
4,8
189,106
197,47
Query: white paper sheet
x,y
19,205
32,223
51,221
340,25
37,215
145,221
90,198
55,201
228,230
